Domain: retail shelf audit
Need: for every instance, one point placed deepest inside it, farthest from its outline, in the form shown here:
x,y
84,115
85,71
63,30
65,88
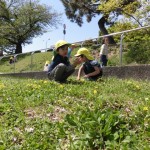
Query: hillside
x,y
23,63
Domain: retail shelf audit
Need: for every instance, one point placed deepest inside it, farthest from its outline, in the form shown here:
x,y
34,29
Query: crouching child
x,y
60,68
90,67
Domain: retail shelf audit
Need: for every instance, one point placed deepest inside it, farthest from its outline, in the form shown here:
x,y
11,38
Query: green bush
x,y
88,43
139,52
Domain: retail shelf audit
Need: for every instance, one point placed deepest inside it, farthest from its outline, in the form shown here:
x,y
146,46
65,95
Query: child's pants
x,y
61,72
104,60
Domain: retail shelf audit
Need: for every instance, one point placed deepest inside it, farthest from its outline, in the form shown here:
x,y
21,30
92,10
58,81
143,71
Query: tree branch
x,y
132,17
135,20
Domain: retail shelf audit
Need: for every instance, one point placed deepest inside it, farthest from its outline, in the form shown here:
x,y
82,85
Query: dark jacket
x,y
88,67
57,60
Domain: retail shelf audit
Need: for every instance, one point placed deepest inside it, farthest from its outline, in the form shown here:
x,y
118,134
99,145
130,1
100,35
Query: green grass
x,y
23,64
79,115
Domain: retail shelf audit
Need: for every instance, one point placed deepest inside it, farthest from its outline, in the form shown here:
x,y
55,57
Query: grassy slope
x,y
108,114
24,64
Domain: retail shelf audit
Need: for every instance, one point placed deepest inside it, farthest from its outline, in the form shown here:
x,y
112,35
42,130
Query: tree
x,y
123,25
22,20
135,44
143,13
109,10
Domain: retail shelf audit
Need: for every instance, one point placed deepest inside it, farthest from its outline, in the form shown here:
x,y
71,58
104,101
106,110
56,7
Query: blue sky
x,y
74,33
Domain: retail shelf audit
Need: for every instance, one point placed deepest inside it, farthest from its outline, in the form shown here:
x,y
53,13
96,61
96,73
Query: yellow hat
x,y
60,43
84,51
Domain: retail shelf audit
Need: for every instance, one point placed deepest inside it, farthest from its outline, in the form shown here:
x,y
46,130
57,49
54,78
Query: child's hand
x,y
76,61
86,76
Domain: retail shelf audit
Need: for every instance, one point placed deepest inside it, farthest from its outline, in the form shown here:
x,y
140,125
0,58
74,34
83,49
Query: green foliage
x,y
142,13
21,21
109,11
97,129
42,114
133,36
122,26
138,52
122,6
135,44
88,43
76,9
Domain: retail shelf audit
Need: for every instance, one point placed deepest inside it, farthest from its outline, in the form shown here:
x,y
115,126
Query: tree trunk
x,y
18,48
101,24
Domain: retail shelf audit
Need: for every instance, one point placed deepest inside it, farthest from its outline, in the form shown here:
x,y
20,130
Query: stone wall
x,y
135,72
35,75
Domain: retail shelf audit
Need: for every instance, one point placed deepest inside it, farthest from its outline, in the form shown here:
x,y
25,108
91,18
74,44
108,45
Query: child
x,y
91,67
70,49
104,52
46,66
11,59
60,68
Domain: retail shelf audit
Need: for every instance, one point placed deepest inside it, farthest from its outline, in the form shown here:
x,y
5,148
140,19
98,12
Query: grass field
x,y
79,115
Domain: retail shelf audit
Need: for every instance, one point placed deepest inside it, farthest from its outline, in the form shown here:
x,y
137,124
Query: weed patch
x,y
107,114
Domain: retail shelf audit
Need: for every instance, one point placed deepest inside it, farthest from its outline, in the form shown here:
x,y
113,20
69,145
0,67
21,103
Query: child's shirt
x,y
88,67
69,52
57,60
104,50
